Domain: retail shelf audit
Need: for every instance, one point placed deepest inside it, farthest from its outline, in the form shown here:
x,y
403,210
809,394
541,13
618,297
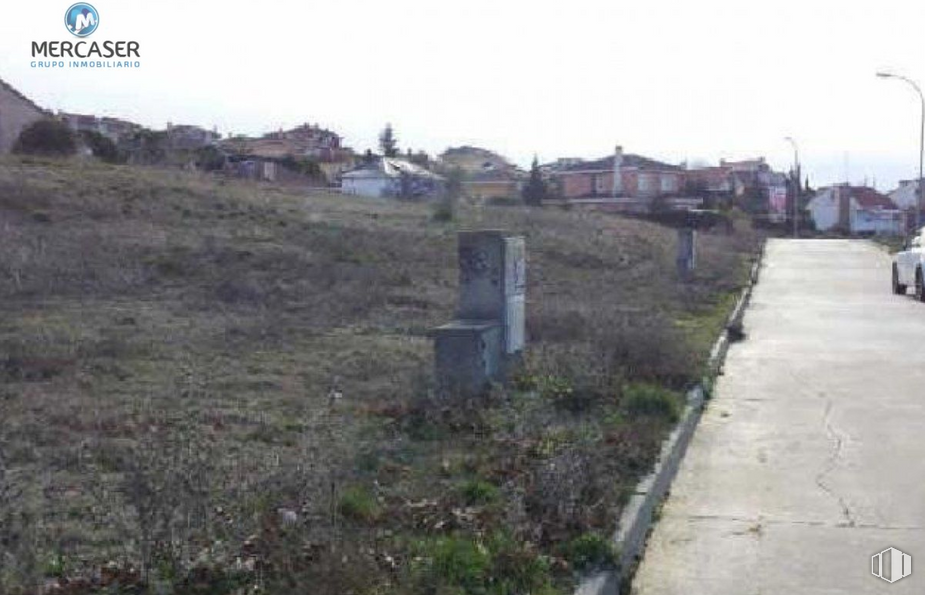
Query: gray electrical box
x,y
492,282
467,355
488,333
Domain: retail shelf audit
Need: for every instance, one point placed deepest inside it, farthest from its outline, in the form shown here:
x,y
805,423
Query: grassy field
x,y
213,386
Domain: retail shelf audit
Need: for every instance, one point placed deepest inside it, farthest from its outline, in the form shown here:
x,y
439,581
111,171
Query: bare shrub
x,y
569,492
295,502
163,494
18,536
650,349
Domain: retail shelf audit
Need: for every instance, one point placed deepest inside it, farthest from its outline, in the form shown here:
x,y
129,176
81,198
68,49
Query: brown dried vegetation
x,y
216,386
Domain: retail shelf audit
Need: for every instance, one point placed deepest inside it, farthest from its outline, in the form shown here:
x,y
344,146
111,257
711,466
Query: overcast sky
x,y
671,79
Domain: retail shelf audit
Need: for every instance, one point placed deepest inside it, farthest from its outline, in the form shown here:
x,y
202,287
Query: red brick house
x,y
639,177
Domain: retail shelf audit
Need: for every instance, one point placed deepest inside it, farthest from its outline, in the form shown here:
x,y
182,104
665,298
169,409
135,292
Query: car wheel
x,y
919,288
898,288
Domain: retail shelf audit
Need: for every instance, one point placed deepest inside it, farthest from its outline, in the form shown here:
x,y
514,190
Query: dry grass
x,y
197,371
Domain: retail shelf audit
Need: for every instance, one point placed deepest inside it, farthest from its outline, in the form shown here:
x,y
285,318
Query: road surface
x,y
811,456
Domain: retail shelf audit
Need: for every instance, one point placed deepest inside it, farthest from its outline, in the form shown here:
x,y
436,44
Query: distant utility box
x,y
489,331
687,252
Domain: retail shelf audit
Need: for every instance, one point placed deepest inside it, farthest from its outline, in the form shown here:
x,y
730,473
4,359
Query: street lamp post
x,y
796,183
920,198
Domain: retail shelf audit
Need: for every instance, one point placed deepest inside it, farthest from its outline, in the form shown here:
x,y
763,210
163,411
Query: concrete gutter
x,y
638,515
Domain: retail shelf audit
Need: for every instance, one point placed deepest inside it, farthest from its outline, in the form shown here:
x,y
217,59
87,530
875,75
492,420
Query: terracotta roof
x,y
303,129
869,198
469,150
606,164
258,147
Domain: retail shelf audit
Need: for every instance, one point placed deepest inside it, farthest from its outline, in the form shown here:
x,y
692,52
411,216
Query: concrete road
x,y
811,456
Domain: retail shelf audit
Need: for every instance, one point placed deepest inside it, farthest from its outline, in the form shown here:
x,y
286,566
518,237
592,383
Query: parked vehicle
x,y
908,265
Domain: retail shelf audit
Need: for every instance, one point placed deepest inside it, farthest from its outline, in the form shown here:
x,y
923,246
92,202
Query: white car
x,y
908,265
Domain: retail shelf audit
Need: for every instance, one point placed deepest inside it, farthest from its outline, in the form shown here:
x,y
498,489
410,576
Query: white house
x,y
906,196
365,181
855,209
392,177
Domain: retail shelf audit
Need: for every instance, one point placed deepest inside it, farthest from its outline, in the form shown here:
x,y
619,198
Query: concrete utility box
x,y
467,355
687,255
488,334
492,282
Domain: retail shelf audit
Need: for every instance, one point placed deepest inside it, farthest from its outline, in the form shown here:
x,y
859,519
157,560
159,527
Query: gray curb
x,y
636,520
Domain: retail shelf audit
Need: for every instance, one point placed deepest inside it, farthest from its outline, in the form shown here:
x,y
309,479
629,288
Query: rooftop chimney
x,y
617,171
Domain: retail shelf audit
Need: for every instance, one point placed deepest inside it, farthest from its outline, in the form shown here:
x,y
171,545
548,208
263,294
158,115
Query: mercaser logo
x,y
81,19
891,565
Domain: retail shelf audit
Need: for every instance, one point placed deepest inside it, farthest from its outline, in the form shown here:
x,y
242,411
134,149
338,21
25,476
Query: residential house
x,y
906,197
751,175
627,176
751,181
306,143
708,180
391,177
186,137
747,166
118,130
113,128
310,140
856,210
473,159
255,168
494,184
257,159
258,147
16,112
80,122
734,177
486,175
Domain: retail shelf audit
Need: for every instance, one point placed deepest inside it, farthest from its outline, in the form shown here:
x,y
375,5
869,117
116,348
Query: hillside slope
x,y
218,381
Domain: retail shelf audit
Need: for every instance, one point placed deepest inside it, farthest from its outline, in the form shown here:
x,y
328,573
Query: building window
x,y
669,184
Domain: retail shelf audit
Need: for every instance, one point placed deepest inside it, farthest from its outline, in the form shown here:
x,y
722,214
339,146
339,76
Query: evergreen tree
x,y
388,144
535,189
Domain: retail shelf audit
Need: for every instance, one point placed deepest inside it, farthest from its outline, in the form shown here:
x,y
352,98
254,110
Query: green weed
x,y
649,400
359,504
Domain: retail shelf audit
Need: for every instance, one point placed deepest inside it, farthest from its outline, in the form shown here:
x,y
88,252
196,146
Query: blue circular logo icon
x,y
81,19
